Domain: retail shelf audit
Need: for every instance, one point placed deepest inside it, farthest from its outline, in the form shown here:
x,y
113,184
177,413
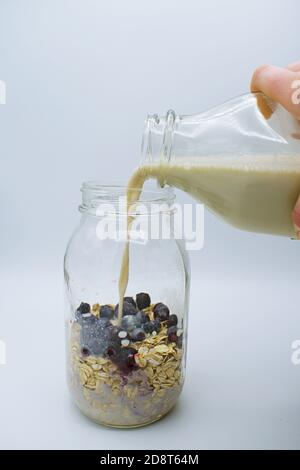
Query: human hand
x,y
281,84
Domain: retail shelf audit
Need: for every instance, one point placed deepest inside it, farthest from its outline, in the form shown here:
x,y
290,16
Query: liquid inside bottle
x,y
241,159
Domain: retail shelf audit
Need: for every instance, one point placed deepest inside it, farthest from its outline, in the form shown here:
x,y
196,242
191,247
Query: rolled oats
x,y
151,390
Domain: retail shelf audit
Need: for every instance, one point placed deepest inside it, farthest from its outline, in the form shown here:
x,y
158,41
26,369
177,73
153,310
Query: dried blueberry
x,y
113,331
161,312
83,314
130,300
128,309
142,317
106,311
95,336
151,326
126,361
85,318
172,334
113,342
130,322
103,322
148,327
84,308
143,300
137,334
85,352
157,325
112,352
173,320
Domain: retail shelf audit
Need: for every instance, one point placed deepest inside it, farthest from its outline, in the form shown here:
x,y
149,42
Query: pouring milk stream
x,y
242,162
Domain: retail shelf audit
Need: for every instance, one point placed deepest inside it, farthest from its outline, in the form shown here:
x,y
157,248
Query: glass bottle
x,y
131,374
242,159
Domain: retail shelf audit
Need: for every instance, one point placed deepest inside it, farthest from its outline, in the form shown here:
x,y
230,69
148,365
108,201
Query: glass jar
x,y
128,374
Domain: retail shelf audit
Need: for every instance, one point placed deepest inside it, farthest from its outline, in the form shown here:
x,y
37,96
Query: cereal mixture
x,y
126,375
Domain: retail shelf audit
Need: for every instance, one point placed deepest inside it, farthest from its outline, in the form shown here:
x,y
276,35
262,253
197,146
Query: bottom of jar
x,y
124,426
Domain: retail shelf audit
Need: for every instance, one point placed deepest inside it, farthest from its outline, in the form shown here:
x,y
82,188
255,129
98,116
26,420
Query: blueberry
x,y
112,352
85,352
151,326
142,317
102,322
94,337
130,322
106,311
173,320
172,334
85,318
143,300
113,343
84,308
137,334
157,325
125,360
130,300
128,309
161,312
83,314
148,327
113,331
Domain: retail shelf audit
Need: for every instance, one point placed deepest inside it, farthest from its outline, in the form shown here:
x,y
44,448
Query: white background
x,y
81,75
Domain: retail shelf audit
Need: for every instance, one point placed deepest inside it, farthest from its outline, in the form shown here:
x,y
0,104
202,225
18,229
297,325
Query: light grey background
x,y
81,75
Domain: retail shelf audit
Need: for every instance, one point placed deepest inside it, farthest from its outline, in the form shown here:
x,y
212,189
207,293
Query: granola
x,y
126,375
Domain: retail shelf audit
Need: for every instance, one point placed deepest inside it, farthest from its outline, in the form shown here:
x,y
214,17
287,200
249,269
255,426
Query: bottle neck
x,y
158,137
247,124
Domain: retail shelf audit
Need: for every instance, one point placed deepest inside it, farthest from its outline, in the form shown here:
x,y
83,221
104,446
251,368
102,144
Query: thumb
x,y
279,84
296,218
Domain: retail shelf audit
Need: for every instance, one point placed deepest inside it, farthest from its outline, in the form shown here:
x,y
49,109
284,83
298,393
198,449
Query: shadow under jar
x,y
131,373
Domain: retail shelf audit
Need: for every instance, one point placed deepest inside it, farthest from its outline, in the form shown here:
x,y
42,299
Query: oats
x,y
91,360
96,310
141,361
143,350
101,360
154,359
83,377
150,390
162,348
149,371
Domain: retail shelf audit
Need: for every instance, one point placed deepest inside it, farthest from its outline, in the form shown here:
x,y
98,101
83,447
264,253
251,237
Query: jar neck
x,y
99,200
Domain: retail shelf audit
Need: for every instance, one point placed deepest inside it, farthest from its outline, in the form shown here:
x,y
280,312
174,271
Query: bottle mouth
x,y
158,136
96,195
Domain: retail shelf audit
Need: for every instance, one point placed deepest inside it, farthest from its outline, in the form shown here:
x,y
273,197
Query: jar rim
x,y
95,193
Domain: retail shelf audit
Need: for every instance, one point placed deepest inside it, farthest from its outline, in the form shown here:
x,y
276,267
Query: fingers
x,y
294,67
279,84
296,218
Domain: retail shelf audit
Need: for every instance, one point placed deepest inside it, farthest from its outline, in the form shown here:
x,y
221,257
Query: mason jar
x,y
126,371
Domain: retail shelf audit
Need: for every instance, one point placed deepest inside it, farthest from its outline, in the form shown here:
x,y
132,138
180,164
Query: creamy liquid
x,y
255,193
